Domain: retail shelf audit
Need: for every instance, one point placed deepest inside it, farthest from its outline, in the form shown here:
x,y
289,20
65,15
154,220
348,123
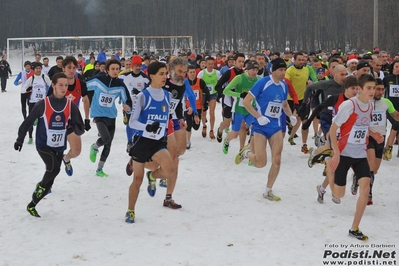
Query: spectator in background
x,y
38,57
101,57
146,62
5,72
46,67
57,68
81,64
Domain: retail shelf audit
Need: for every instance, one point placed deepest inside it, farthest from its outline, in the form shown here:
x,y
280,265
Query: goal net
x,y
20,50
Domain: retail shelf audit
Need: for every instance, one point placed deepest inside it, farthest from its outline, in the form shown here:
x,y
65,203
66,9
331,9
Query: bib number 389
x,y
106,100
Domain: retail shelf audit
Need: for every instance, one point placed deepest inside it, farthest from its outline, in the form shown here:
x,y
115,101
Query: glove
x,y
296,107
205,107
87,124
125,120
243,94
29,89
293,120
302,111
263,120
17,146
153,127
306,125
135,91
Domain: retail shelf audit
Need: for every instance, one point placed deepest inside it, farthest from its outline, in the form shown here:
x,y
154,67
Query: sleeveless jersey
x,y
198,94
269,98
354,132
152,112
77,92
51,130
245,85
210,80
379,115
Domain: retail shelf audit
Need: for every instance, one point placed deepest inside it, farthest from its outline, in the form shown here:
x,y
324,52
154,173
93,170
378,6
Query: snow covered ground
x,y
224,219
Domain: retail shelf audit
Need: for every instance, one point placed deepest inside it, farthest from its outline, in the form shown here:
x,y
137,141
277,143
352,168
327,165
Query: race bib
x,y
358,135
56,137
378,118
196,93
393,90
173,104
106,100
157,135
210,88
39,95
273,109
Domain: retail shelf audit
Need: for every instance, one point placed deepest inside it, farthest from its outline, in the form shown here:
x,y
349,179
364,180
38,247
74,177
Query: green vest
x,y
210,81
245,86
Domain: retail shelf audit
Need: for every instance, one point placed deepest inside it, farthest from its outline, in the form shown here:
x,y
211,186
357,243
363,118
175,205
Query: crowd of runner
x,y
346,97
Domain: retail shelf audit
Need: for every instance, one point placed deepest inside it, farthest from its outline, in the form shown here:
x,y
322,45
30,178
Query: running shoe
x,y
225,146
227,130
241,155
356,233
355,185
171,204
101,173
291,141
68,167
310,158
317,141
250,163
387,153
336,200
321,157
30,141
93,153
203,132
152,188
314,136
270,196
32,211
129,167
219,135
129,217
320,195
370,201
305,149
211,134
188,144
163,182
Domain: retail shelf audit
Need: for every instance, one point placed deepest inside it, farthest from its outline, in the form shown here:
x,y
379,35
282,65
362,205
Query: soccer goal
x,y
20,50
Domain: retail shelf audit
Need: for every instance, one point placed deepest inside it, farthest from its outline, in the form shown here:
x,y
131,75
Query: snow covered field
x,y
224,219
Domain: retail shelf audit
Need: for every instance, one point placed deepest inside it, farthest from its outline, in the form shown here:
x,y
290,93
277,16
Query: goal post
x,y
20,50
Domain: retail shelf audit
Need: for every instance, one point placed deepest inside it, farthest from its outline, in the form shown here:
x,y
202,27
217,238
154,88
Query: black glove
x,y
243,94
302,111
296,107
153,127
29,88
205,107
135,91
306,125
17,146
87,124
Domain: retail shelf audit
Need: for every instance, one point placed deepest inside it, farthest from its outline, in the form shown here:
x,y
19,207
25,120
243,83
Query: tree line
x,y
247,25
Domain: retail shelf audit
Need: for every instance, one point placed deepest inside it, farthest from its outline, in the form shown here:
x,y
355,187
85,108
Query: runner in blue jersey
x,y
150,120
270,94
103,91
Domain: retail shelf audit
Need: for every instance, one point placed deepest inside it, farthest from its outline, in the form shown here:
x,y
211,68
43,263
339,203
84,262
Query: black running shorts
x,y
143,149
360,167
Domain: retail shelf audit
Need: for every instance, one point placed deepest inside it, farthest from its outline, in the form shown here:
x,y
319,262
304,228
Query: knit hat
x,y
252,64
278,63
320,70
136,60
27,63
351,59
362,63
